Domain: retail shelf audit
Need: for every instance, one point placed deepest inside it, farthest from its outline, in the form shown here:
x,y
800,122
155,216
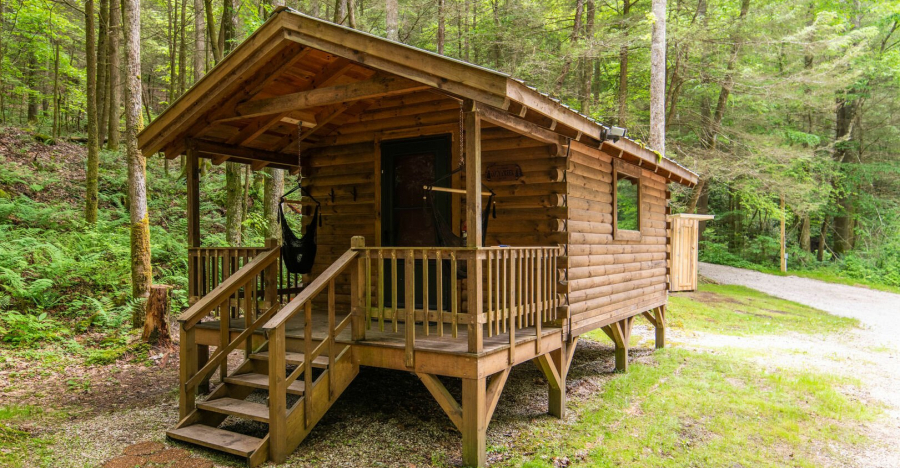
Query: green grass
x,y
737,310
18,445
701,409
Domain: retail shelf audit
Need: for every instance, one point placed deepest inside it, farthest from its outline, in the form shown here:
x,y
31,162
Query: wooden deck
x,y
434,354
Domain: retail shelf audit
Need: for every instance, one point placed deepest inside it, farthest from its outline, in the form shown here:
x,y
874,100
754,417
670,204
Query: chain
x,y
461,136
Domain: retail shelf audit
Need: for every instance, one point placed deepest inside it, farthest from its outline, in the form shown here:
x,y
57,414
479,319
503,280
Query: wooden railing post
x,y
359,281
187,369
410,303
270,278
475,291
278,396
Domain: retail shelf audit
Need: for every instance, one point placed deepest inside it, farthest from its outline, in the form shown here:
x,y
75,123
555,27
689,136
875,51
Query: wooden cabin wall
x,y
607,279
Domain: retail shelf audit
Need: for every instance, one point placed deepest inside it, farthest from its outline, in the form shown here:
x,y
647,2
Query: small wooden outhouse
x,y
404,153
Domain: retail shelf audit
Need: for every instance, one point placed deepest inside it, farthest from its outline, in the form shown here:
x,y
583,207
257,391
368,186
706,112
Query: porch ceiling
x,y
298,80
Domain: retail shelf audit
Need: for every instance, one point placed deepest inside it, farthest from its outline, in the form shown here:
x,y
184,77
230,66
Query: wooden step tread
x,y
240,408
262,381
294,359
218,439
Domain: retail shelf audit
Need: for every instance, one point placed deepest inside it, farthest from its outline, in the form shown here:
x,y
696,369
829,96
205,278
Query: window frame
x,y
632,172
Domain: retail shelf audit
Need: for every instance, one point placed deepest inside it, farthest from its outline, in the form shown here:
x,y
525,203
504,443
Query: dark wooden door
x,y
407,221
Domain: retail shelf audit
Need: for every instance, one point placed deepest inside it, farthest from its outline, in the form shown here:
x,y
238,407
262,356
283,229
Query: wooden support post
x,y
557,394
620,333
193,197
472,135
278,396
359,281
187,369
474,422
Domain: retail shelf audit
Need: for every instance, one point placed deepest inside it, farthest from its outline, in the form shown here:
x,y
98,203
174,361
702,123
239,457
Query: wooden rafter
x,y
220,152
377,86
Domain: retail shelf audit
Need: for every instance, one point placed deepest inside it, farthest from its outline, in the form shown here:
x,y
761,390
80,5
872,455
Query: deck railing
x,y
210,266
248,293
424,287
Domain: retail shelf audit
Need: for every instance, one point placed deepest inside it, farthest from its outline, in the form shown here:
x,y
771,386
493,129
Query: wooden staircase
x,y
315,383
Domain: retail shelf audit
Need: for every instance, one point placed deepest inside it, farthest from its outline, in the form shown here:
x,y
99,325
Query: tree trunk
x,y
441,28
820,254
622,114
214,38
156,326
233,203
182,51
272,191
245,201
391,20
141,274
728,81
844,146
103,71
199,41
573,38
587,65
115,89
804,233
31,81
55,88
93,161
658,78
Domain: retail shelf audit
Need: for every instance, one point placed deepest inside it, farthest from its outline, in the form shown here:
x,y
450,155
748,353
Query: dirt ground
x,y
387,418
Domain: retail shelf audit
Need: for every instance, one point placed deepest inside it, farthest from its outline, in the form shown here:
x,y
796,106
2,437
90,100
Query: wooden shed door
x,y
684,266
407,166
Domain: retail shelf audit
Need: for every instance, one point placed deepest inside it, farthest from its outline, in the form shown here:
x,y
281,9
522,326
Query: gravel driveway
x,y
877,310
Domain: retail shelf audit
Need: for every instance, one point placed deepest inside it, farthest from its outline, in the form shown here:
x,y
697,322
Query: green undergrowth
x,y
737,310
17,443
702,409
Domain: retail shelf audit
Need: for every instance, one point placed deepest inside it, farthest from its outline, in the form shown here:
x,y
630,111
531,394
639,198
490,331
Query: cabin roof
x,y
296,79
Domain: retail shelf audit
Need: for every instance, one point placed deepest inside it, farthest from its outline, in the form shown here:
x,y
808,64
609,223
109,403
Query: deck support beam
x,y
620,332
657,318
555,366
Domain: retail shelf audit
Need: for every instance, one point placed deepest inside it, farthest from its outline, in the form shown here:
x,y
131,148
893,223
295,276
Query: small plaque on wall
x,y
503,173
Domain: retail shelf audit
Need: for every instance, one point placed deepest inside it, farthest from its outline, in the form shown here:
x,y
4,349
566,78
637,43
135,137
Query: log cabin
x,y
467,223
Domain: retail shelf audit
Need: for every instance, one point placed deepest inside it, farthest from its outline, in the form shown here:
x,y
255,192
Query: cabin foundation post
x,y
552,365
657,317
474,422
620,332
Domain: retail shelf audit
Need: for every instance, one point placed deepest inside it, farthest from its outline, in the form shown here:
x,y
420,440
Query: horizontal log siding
x,y
607,280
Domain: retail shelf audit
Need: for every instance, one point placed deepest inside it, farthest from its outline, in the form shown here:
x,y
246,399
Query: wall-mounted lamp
x,y
614,133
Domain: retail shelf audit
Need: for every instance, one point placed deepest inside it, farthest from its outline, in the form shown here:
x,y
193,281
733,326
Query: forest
x,y
788,110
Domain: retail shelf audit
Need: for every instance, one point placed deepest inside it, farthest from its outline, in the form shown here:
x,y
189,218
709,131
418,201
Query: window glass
x,y
627,203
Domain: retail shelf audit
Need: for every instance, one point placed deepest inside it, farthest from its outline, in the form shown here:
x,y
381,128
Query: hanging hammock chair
x,y
445,235
299,253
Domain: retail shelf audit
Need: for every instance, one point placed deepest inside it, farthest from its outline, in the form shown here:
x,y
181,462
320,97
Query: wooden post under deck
x,y
474,422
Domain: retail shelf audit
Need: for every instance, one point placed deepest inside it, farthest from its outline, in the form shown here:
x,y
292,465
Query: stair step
x,y
218,439
262,381
241,408
294,359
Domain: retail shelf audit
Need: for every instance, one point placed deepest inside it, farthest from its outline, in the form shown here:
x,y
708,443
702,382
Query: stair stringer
x,y
345,369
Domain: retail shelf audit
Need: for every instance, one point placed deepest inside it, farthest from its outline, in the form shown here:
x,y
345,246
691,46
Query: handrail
x,y
311,291
225,289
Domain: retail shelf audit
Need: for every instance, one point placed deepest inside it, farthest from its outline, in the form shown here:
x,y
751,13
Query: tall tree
x,y
233,186
199,41
658,77
441,28
587,62
622,114
115,87
141,274
93,161
392,20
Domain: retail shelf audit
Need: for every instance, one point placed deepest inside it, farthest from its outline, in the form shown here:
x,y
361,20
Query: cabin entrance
x,y
407,221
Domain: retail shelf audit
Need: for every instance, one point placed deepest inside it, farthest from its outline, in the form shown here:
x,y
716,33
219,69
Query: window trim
x,y
633,172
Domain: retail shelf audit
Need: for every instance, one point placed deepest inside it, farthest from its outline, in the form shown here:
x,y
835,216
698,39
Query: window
x,y
627,202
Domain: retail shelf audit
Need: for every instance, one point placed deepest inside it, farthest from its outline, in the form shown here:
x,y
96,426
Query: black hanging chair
x,y
445,235
299,253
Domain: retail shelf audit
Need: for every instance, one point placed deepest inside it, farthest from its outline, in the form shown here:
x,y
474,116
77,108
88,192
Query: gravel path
x,y
877,310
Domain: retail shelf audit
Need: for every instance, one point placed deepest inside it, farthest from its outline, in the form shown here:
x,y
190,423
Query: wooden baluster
x,y
307,365
331,346
425,318
528,290
367,281
381,290
520,289
225,332
439,271
536,284
513,310
501,286
453,293
394,298
249,301
490,276
278,395
410,290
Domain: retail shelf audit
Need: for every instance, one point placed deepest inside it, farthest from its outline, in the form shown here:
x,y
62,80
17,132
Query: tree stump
x,y
156,323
